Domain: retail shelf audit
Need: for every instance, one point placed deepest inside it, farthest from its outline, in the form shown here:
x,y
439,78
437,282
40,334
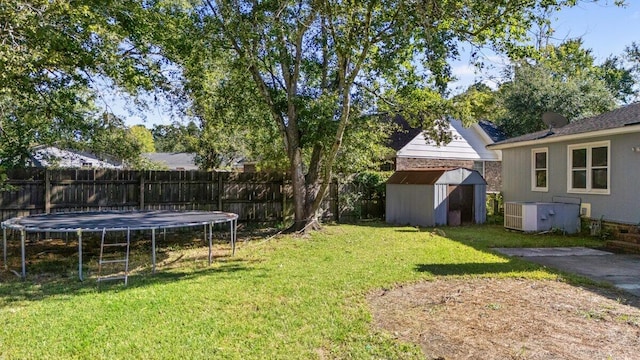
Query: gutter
x,y
628,129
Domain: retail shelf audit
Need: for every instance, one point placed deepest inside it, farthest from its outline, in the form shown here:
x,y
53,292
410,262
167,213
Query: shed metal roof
x,y
432,176
424,177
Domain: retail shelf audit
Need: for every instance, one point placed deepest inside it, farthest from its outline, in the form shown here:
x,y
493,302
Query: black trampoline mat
x,y
116,220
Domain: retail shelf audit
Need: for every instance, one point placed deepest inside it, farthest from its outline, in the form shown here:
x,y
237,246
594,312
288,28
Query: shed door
x,y
460,205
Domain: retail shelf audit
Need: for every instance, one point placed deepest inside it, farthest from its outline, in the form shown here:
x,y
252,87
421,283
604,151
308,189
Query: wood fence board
x,y
255,197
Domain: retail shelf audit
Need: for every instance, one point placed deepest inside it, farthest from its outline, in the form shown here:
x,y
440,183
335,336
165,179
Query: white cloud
x,y
463,70
491,83
490,73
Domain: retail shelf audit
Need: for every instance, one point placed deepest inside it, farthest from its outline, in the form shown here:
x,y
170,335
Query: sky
x,y
606,29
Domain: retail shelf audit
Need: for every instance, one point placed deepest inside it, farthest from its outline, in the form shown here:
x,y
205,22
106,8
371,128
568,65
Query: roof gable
x,y
468,143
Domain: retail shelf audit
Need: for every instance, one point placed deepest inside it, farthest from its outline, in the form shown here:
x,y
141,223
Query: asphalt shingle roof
x,y
51,156
492,130
620,117
403,135
175,160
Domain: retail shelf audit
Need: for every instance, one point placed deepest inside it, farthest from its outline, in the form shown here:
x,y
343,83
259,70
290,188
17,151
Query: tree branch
x,y
255,73
375,93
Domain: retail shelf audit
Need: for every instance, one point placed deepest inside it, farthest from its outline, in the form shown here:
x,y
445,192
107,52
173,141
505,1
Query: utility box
x,y
542,216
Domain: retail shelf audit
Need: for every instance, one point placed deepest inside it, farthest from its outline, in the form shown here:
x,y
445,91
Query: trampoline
x,y
107,221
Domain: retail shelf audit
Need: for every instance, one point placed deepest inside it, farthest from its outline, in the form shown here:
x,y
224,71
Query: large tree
x,y
632,55
175,137
144,137
109,137
570,59
564,79
315,66
55,55
535,90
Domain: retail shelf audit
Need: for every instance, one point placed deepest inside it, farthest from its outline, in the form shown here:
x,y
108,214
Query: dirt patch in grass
x,y
510,319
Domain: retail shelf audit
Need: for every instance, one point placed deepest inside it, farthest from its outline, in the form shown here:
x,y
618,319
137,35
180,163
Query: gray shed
x,y
443,196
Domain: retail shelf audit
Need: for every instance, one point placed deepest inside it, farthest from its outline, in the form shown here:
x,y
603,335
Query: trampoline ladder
x,y
111,258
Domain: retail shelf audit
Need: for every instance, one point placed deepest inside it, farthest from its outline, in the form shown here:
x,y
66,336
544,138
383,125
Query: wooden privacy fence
x,y
255,197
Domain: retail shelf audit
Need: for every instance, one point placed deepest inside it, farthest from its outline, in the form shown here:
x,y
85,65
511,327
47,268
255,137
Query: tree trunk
x,y
304,196
298,185
304,191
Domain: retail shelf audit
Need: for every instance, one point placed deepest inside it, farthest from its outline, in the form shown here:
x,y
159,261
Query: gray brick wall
x,y
415,163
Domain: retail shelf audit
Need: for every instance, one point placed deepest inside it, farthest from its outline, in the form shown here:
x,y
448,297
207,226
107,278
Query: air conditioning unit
x,y
542,216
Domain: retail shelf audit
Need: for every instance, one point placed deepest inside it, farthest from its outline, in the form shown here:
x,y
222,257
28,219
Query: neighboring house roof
x,y
51,156
174,161
492,130
402,136
468,143
625,119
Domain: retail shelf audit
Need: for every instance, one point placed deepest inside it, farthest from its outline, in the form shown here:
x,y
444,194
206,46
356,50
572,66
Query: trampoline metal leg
x,y
4,248
153,251
22,249
233,236
210,241
80,255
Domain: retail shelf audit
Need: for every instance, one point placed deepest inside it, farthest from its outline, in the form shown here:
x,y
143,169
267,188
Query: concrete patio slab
x,y
620,270
557,251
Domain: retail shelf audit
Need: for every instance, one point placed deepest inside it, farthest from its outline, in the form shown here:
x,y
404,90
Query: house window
x,y
588,168
479,167
540,169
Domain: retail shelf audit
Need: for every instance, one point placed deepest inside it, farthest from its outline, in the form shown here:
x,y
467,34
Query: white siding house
x,y
468,149
468,143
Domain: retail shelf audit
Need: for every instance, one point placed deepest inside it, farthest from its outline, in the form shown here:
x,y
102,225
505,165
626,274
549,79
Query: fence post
x,y
220,190
47,191
337,200
142,174
283,193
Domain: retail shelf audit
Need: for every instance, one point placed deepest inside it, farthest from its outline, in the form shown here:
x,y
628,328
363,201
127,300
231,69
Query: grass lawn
x,y
286,298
